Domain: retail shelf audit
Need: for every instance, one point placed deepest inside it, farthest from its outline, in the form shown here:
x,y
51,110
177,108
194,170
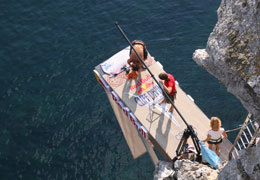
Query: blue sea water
x,y
56,121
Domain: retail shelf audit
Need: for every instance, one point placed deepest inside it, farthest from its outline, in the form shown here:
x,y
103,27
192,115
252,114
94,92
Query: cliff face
x,y
247,166
185,169
232,54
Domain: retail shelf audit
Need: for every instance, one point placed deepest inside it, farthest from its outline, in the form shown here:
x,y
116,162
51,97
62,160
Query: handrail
x,y
253,138
235,129
238,136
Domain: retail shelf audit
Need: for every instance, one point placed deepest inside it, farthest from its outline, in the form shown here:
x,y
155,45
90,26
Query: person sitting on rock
x,y
215,134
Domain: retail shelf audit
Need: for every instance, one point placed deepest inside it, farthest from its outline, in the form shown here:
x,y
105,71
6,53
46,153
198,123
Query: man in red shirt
x,y
168,82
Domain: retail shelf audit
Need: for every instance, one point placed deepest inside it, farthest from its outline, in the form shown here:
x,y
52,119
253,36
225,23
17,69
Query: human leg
x,y
210,146
171,109
164,100
172,97
217,148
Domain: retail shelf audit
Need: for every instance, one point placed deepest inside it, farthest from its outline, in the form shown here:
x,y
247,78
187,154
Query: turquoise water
x,y
56,122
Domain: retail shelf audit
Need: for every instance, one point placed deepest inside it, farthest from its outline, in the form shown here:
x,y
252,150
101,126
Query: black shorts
x,y
172,97
218,141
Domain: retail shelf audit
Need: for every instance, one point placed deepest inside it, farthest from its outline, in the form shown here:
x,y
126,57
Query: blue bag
x,y
210,156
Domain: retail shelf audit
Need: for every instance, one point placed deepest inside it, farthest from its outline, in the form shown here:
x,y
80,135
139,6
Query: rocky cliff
x,y
185,169
232,54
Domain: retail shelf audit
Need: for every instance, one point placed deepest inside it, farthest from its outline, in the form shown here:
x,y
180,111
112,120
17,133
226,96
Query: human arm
x,y
129,61
167,89
170,84
225,134
207,139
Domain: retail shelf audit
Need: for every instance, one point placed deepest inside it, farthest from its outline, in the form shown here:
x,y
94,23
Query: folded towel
x,y
114,64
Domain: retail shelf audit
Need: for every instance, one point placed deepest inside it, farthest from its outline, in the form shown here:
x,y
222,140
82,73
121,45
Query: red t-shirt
x,y
170,82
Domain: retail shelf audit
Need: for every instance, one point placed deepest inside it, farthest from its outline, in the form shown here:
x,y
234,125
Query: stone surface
x,y
185,170
232,54
247,166
163,170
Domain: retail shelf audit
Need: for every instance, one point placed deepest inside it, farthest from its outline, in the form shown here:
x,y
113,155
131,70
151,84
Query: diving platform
x,y
144,123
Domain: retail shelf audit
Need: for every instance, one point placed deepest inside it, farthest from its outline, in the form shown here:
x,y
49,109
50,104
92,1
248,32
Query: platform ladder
x,y
247,136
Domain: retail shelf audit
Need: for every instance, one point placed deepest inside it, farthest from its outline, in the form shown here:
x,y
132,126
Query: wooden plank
x,y
224,149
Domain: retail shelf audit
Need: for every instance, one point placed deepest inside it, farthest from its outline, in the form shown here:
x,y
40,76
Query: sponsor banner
x,y
143,86
132,118
141,129
148,96
126,111
114,96
102,81
144,132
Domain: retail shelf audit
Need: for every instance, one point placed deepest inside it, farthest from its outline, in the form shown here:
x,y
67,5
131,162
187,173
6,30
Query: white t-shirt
x,y
216,134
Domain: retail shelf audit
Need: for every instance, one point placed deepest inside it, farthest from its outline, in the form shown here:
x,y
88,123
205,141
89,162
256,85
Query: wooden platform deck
x,y
164,129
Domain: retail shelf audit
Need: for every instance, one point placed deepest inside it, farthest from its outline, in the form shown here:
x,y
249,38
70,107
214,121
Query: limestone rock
x,y
194,170
185,170
247,166
232,54
163,170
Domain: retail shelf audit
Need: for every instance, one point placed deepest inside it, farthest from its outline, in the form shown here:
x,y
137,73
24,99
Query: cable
x,y
231,130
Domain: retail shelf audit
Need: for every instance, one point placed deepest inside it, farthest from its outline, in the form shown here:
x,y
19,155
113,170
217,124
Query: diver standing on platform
x,y
168,82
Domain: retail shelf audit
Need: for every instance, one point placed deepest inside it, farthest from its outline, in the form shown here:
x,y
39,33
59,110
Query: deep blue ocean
x,y
55,119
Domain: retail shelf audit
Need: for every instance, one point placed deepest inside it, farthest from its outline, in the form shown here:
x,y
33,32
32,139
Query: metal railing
x,y
246,137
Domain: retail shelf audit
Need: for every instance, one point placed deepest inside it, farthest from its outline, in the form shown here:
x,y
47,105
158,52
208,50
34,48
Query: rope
x,y
227,131
231,130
